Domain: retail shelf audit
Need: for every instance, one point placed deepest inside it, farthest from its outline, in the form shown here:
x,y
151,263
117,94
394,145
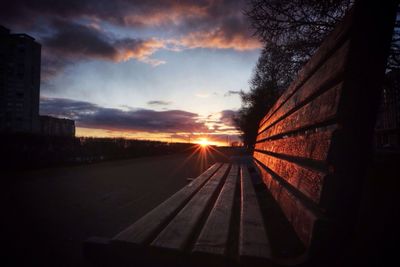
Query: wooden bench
x,y
197,225
311,153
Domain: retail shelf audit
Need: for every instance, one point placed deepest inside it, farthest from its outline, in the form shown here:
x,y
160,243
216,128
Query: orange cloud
x,y
218,39
140,51
176,14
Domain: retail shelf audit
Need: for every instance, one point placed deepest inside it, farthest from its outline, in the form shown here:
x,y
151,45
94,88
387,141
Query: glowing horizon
x,y
142,69
195,138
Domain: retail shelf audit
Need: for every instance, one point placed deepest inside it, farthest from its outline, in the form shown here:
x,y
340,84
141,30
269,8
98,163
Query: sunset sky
x,y
162,70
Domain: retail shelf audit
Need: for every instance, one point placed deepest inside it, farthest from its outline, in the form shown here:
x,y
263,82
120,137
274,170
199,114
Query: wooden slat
x,y
142,230
213,238
319,110
306,180
253,240
179,231
301,218
333,40
331,69
312,145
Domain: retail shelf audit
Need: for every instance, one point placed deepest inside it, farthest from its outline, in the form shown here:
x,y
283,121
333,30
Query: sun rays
x,y
204,142
204,153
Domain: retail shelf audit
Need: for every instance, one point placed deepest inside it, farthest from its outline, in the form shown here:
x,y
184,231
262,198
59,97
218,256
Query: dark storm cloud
x,y
76,40
79,40
72,42
93,116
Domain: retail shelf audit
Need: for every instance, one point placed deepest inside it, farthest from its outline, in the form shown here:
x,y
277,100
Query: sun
x,y
204,142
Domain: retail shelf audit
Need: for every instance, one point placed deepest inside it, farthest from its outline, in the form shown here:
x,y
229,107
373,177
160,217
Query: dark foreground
x,y
50,212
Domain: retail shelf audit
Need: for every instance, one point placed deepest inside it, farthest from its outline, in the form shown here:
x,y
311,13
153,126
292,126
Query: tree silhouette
x,y
291,31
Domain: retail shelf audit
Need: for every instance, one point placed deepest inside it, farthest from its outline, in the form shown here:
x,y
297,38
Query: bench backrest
x,y
314,143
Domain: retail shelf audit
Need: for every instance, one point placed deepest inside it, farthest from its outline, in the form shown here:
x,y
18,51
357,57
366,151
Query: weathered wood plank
x,y
308,181
301,218
177,233
319,110
213,238
325,74
141,231
311,145
253,239
333,41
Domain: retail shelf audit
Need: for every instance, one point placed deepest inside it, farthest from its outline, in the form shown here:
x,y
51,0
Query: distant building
x,y
388,123
51,126
20,57
19,82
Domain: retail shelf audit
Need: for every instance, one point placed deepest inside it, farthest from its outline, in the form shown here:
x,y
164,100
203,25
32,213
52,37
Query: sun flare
x,y
204,142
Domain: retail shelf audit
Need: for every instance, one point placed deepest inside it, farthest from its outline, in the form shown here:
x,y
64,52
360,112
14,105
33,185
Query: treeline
x,y
23,151
291,31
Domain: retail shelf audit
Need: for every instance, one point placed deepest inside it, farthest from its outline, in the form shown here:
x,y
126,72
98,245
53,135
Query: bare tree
x,y
291,31
296,26
270,76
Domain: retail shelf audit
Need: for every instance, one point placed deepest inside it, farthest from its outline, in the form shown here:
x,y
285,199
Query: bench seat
x,y
219,219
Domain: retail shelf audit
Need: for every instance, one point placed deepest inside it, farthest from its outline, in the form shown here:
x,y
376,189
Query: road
x,y
50,212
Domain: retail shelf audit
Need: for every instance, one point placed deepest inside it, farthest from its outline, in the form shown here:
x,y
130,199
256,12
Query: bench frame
x,y
322,127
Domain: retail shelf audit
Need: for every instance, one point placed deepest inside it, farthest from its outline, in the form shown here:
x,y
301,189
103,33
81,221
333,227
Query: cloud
x,y
158,103
219,39
77,41
231,93
166,13
202,23
128,13
71,31
139,49
72,42
66,108
89,115
177,124
52,64
222,122
227,116
202,95
138,13
222,27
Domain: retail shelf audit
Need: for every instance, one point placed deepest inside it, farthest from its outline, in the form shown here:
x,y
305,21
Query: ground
x,y
50,212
